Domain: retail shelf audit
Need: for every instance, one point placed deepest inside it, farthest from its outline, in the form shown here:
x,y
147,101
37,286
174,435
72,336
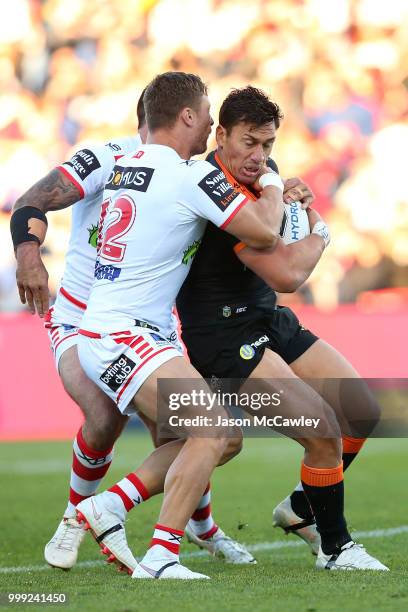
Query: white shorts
x,y
62,337
120,363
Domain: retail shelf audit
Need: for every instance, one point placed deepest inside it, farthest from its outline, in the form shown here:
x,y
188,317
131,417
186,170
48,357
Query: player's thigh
x,y
272,376
94,404
171,380
334,378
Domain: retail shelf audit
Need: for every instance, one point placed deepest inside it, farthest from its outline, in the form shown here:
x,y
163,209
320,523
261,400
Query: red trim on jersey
x,y
146,353
118,156
89,334
73,181
166,348
232,215
72,299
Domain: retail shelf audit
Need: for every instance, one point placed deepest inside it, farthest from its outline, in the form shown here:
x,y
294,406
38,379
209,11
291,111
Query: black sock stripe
x,y
99,539
161,570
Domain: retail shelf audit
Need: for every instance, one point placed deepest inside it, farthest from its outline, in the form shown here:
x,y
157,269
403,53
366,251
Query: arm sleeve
x,y
89,169
207,193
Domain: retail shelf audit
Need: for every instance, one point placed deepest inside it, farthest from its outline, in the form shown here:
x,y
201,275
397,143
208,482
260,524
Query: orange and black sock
x,y
324,489
351,448
299,502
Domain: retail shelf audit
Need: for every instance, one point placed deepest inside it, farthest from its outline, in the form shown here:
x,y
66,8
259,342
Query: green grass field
x,y
33,492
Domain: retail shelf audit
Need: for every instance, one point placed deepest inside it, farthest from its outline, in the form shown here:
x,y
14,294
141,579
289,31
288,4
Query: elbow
x,y
289,283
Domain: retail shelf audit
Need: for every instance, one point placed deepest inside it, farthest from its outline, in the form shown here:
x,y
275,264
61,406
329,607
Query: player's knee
x,y
328,451
233,448
103,432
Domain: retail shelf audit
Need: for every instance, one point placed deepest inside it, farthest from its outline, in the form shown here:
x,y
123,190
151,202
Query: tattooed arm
x,y
53,192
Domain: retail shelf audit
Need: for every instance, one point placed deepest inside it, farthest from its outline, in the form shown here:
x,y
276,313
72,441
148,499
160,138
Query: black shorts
x,y
234,348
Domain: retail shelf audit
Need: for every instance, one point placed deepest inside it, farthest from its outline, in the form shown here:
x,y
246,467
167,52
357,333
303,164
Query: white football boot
x,y
162,565
284,517
105,520
352,556
62,550
170,570
222,546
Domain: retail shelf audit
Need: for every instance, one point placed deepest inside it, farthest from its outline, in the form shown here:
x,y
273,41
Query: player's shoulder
x,y
124,145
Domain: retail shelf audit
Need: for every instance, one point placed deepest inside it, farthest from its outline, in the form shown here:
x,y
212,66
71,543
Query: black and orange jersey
x,y
218,281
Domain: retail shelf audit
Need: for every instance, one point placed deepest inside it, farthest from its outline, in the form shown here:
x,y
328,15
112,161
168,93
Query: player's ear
x,y
220,135
188,115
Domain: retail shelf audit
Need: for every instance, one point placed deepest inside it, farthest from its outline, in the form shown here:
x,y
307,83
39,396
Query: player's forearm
x,y
286,267
302,258
53,192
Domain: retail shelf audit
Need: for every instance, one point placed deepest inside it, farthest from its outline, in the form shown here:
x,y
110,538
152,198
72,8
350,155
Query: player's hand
x,y
32,278
296,190
264,170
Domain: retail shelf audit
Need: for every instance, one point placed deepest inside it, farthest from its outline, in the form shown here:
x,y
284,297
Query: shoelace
x,y
231,544
361,553
68,536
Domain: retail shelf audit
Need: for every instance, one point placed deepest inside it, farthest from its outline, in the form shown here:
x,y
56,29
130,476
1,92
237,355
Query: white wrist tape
x,y
321,229
271,178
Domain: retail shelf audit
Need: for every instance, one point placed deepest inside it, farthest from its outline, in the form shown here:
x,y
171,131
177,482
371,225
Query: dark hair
x,y
249,105
166,96
141,114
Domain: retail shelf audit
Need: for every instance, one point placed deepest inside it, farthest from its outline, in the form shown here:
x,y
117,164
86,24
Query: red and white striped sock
x,y
131,491
202,522
169,539
89,466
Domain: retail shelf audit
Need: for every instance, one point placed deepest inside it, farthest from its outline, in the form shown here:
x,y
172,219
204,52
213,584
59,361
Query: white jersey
x,y
156,212
88,170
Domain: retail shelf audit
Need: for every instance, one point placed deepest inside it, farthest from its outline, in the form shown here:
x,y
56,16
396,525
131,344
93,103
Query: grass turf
x,y
34,483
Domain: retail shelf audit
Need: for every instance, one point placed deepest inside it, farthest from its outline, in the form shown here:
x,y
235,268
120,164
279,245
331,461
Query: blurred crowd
x,y
71,72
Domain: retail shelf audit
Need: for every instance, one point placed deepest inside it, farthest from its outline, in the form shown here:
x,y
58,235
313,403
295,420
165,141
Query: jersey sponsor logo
x,y
118,372
260,341
218,188
246,351
107,272
129,178
84,163
190,252
93,235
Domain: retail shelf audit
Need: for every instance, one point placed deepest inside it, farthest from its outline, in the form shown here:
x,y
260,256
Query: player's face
x,y
245,149
204,123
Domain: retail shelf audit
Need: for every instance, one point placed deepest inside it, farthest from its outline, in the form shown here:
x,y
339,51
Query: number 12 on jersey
x,y
114,223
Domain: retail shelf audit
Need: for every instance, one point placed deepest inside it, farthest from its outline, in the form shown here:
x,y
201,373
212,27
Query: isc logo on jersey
x,y
129,178
295,223
217,187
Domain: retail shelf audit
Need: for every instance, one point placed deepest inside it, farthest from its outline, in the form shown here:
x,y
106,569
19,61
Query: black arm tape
x,y
19,224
